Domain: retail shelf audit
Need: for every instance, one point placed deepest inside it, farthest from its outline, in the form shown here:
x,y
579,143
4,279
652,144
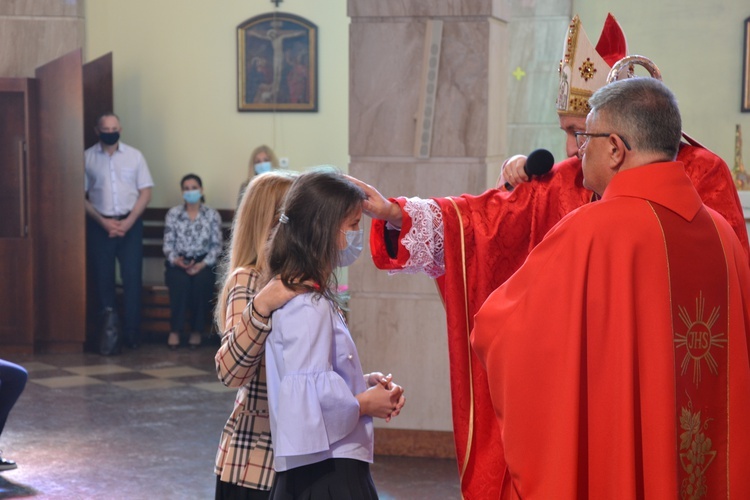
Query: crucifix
x,y
276,2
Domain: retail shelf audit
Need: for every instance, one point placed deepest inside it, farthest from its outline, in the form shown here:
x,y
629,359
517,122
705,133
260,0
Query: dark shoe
x,y
7,464
133,340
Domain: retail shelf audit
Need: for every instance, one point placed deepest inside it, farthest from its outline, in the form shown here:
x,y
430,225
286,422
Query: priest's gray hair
x,y
643,111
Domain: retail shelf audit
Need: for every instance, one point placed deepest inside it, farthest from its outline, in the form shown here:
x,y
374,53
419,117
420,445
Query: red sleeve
x,y
713,181
382,239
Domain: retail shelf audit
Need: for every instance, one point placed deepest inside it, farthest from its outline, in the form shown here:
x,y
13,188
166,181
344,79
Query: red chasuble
x,y
618,355
483,248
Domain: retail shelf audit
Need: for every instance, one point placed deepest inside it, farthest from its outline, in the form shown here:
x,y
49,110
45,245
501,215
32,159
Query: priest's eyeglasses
x,y
582,138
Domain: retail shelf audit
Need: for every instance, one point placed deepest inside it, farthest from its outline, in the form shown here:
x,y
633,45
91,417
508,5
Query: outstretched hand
x,y
376,205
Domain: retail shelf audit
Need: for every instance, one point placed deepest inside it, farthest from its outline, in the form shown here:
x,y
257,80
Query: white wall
x,y
175,84
698,46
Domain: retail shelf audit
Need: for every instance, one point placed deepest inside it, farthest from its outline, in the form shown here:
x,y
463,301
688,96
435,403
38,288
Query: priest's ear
x,y
617,150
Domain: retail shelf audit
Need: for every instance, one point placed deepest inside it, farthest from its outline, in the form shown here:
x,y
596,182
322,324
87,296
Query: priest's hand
x,y
512,172
377,206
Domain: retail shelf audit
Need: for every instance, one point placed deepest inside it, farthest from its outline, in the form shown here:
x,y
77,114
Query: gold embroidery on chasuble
x,y
699,338
699,308
696,453
694,341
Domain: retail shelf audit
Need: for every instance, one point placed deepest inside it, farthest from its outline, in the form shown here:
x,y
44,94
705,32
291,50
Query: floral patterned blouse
x,y
192,238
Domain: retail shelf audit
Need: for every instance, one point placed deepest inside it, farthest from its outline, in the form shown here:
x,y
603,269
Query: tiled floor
x,y
145,425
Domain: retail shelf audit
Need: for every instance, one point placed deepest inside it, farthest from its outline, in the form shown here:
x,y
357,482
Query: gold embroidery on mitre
x,y
582,66
698,339
587,69
696,453
577,102
571,41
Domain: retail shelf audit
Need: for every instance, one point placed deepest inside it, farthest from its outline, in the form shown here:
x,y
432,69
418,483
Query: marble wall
x,y
34,32
496,88
398,322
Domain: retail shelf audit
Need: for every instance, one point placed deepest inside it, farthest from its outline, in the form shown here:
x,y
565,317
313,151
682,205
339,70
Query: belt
x,y
116,217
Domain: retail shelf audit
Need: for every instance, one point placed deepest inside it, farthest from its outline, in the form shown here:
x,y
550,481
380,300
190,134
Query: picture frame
x,y
277,63
746,70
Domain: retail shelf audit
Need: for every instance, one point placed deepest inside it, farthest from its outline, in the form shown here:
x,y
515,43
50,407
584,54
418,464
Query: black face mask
x,y
109,138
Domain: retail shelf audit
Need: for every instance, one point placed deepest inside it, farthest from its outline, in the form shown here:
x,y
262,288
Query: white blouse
x,y
313,373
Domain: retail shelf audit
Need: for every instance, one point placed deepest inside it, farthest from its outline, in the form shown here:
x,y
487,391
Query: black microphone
x,y
539,162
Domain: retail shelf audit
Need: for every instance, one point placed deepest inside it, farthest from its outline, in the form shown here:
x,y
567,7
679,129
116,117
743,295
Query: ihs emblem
x,y
699,339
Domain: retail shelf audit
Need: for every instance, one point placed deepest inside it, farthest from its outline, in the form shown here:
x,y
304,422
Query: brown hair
x,y
305,247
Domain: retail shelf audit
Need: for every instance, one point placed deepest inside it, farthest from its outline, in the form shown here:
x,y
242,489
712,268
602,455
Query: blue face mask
x,y
263,167
192,196
354,243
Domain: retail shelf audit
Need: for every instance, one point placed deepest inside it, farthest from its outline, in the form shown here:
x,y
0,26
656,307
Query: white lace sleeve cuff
x,y
424,241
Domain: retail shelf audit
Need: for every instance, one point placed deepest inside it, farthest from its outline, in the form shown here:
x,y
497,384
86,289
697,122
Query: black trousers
x,y
103,251
193,293
12,382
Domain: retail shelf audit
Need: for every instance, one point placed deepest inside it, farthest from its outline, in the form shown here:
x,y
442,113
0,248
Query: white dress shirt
x,y
313,373
113,182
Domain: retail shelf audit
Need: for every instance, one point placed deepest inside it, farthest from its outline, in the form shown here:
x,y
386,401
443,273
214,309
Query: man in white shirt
x,y
118,188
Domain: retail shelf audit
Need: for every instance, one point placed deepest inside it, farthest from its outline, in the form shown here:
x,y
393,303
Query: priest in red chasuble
x,y
617,355
472,244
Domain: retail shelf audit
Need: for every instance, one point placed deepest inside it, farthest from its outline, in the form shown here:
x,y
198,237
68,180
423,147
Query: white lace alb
x,y
424,241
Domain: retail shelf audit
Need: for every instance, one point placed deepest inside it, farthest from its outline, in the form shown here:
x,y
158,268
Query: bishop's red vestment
x,y
617,356
482,248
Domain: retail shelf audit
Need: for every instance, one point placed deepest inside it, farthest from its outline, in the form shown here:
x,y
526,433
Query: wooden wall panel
x,y
17,118
97,95
60,244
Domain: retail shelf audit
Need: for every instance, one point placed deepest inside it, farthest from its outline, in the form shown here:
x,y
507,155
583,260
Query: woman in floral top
x,y
192,245
244,462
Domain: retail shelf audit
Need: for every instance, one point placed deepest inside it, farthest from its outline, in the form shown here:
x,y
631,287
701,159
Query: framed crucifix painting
x,y
277,63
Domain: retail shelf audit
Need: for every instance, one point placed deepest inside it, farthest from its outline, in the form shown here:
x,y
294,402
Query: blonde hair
x,y
261,149
256,216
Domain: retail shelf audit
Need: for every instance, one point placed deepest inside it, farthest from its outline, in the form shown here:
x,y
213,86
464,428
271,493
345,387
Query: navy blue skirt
x,y
332,479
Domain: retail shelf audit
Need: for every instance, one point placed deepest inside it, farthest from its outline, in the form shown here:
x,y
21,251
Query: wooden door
x,y
60,240
97,100
17,126
97,95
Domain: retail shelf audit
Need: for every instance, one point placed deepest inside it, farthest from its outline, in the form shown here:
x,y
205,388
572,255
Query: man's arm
x,y
144,197
512,172
406,234
109,225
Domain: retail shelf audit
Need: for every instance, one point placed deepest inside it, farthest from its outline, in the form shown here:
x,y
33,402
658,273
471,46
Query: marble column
x,y
35,32
427,107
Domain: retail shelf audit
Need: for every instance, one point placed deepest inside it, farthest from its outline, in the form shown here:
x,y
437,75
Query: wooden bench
x,y
155,295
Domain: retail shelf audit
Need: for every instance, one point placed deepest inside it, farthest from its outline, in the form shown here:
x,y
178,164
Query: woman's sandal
x,y
195,340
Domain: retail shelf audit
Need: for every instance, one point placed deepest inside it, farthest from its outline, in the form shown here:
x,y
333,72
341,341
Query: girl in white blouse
x,y
321,405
